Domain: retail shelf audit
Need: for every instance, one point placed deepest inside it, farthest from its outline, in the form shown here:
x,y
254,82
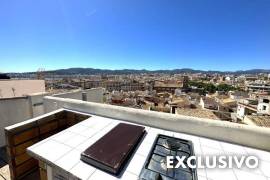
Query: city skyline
x,y
206,35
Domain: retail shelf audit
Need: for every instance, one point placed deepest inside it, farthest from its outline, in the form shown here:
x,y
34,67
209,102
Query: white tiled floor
x,y
63,150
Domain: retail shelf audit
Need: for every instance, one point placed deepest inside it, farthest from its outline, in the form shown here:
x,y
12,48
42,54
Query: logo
x,y
211,162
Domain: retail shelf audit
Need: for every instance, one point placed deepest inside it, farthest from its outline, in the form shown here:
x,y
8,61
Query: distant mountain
x,y
72,71
92,71
4,76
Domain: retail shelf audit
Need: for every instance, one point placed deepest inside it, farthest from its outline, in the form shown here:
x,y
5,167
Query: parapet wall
x,y
92,95
256,137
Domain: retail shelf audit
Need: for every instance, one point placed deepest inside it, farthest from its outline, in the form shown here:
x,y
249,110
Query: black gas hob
x,y
155,166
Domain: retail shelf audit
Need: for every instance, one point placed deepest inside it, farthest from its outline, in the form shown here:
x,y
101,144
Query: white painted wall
x,y
201,103
20,87
95,95
36,101
12,111
71,95
261,110
240,111
18,109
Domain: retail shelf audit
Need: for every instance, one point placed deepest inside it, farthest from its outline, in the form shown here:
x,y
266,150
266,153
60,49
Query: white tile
x,y
186,137
98,174
51,150
89,132
100,126
263,155
253,171
221,174
129,176
156,131
82,170
147,128
77,128
233,149
144,149
103,119
63,136
69,160
89,122
83,146
168,133
108,127
101,122
75,141
150,137
136,164
98,135
202,178
178,135
197,149
211,151
244,175
38,144
210,143
265,168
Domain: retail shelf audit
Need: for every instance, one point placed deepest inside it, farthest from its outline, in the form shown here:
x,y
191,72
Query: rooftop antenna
x,y
40,73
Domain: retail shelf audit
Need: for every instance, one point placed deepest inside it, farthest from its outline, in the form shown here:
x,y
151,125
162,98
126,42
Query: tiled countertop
x,y
63,150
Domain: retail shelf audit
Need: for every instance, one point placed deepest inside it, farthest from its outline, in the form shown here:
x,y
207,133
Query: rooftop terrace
x,y
60,149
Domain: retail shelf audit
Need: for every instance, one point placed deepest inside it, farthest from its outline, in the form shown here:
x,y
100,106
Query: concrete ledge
x,y
255,137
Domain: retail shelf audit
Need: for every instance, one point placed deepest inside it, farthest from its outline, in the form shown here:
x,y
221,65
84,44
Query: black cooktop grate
x,y
155,165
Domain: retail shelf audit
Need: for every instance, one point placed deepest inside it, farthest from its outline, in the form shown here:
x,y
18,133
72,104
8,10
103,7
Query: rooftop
x,y
258,120
62,149
201,113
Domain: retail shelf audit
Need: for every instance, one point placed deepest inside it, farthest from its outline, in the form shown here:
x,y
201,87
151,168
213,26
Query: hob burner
x,y
155,167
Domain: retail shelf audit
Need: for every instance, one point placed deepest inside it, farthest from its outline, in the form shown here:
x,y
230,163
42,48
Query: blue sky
x,y
135,34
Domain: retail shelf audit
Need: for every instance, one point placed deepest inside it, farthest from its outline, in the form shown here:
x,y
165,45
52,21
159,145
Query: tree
x,y
225,87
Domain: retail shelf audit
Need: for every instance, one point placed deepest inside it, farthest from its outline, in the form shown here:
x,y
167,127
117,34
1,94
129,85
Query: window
x,y
264,108
266,100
